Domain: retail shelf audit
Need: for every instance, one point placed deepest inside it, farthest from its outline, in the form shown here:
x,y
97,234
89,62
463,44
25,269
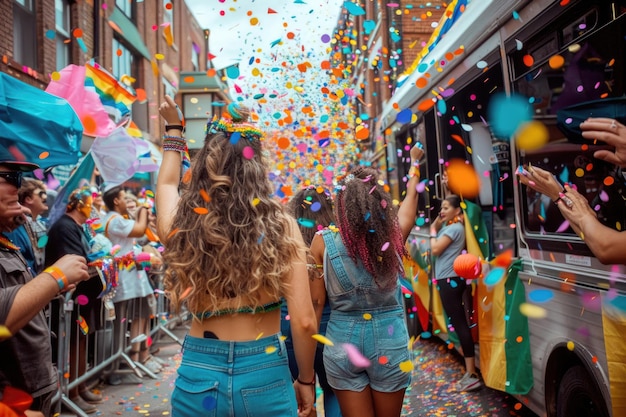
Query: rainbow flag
x,y
116,97
452,13
503,334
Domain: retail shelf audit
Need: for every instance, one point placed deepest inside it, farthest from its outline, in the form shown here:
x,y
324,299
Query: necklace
x,y
6,243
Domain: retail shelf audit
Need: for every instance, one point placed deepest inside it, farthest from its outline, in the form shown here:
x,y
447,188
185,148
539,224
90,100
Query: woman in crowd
x,y
232,253
369,364
447,242
312,207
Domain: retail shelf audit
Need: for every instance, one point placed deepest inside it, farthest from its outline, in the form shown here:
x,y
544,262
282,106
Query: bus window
x,y
575,61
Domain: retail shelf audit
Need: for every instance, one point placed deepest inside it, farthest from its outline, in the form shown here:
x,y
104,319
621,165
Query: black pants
x,y
451,291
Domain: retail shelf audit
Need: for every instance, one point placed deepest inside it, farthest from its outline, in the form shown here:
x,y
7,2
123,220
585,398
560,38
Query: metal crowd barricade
x,y
164,320
109,345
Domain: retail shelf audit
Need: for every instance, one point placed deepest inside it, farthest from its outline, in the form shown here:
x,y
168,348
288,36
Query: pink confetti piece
x,y
355,356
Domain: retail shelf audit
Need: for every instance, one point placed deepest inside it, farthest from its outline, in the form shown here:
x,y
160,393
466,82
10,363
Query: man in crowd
x,y
25,350
30,236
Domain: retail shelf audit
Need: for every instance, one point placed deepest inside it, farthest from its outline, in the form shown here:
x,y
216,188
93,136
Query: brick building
x,y
158,43
373,48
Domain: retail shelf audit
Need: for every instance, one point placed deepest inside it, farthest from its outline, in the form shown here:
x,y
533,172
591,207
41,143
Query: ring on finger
x,y
613,125
569,203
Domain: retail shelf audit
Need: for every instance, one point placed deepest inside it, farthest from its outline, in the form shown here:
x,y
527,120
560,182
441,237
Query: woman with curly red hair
x,y
368,366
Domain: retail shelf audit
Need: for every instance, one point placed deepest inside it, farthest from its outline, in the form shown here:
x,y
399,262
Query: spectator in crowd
x,y
447,242
31,236
68,236
362,264
131,204
26,355
134,299
232,252
606,243
312,207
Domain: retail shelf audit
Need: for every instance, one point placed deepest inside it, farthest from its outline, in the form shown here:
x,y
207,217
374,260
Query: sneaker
x,y
469,382
152,365
160,361
84,405
91,397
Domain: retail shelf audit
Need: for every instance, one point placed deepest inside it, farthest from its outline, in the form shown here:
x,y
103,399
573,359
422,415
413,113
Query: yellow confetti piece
x,y
532,311
256,201
259,336
283,338
159,56
406,366
570,346
323,339
367,316
270,349
5,333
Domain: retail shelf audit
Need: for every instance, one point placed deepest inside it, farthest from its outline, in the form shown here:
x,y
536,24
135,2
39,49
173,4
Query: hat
x,y
9,161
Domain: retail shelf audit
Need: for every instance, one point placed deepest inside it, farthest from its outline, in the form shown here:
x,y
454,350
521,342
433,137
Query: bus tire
x,y
579,396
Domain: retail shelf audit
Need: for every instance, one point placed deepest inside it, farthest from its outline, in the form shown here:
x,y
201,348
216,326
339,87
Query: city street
x,y
431,393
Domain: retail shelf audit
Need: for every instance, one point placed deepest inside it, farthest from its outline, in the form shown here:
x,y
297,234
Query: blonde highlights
x,y
230,241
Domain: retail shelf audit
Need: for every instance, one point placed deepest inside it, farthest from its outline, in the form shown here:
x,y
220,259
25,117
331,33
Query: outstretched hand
x,y
578,209
169,111
611,132
417,153
539,180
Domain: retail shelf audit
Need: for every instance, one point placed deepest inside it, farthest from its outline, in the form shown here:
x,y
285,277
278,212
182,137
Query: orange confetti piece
x,y
463,179
44,155
201,210
78,33
186,293
169,38
89,124
172,233
205,196
141,94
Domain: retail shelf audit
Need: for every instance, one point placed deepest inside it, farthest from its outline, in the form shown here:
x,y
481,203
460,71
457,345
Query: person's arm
x,y
441,243
318,288
37,293
611,132
408,209
141,223
303,326
606,244
169,173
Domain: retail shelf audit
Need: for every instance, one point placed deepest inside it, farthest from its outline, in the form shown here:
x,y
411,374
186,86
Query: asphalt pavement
x,y
431,393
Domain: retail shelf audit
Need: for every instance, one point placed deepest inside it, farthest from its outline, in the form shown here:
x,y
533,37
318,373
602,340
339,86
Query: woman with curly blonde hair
x,y
231,253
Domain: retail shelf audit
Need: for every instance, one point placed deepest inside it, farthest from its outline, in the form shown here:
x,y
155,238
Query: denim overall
x,y
366,317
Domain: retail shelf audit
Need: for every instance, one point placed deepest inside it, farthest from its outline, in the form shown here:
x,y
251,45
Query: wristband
x,y
57,274
305,383
178,127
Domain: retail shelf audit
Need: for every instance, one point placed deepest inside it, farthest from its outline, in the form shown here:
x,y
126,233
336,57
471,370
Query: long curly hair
x,y
368,224
230,240
312,207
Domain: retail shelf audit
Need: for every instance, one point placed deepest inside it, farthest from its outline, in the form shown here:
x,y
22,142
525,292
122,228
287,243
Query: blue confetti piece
x,y
234,137
540,296
353,9
404,116
315,207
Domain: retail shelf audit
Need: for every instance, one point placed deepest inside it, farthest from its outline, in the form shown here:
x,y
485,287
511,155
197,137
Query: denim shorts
x,y
383,339
225,378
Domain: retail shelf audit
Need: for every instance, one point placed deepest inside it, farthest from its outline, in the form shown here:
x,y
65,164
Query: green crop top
x,y
265,308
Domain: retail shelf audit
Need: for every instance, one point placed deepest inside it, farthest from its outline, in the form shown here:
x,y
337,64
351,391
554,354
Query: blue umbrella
x,y
36,126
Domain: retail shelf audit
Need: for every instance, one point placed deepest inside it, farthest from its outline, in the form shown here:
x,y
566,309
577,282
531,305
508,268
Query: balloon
x,y
467,266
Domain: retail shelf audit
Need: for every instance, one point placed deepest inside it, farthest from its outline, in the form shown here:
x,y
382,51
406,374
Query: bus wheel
x,y
579,396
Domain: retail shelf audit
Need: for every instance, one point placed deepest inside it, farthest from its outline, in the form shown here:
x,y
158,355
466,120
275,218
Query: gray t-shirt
x,y
444,262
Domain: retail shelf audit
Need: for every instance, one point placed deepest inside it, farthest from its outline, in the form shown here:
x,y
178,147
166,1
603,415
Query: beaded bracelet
x,y
174,143
58,275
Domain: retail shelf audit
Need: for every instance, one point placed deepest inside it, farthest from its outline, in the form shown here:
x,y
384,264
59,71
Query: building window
x,y
62,26
195,56
126,6
122,60
24,33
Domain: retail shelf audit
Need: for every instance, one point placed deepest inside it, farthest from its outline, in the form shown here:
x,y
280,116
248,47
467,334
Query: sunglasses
x,y
13,178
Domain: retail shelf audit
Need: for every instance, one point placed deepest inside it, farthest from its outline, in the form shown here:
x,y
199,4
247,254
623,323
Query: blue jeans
x,y
224,378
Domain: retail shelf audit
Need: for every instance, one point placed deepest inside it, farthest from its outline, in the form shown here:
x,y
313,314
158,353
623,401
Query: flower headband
x,y
233,131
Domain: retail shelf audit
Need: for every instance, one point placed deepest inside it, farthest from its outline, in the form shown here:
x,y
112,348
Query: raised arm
x,y
168,179
408,209
303,326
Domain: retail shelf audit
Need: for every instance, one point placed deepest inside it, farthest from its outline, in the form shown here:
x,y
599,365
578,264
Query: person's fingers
x,y
607,156
170,101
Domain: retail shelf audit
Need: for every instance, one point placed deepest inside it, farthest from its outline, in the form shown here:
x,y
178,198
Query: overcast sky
x,y
242,29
